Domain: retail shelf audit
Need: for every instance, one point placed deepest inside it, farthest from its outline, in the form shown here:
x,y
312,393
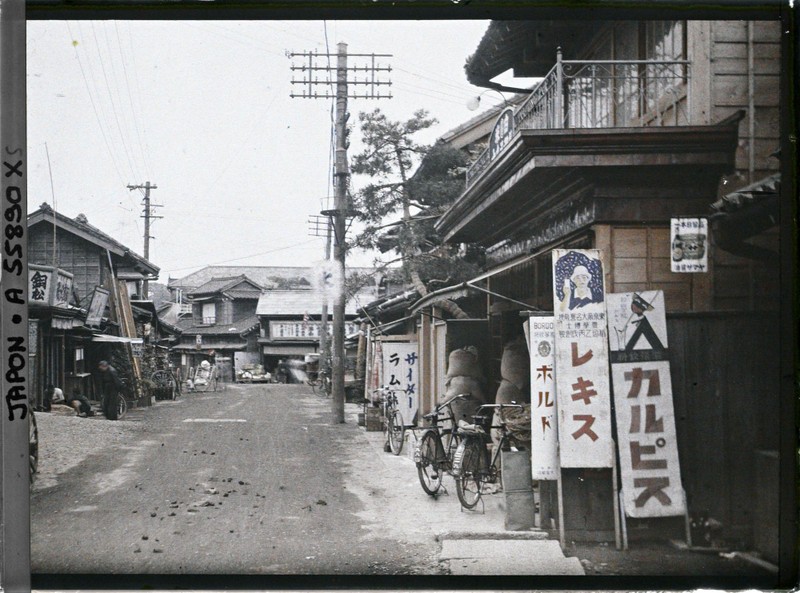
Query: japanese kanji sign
x,y
304,330
544,425
648,448
400,373
689,241
49,286
39,285
581,367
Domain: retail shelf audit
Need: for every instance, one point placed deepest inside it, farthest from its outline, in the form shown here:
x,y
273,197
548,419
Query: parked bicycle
x,y
393,426
320,381
472,467
434,453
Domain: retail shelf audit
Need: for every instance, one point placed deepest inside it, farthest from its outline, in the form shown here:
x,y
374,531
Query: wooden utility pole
x,y
148,215
342,209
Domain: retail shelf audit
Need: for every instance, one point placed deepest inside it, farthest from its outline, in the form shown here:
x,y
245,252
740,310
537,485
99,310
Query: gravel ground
x,y
65,440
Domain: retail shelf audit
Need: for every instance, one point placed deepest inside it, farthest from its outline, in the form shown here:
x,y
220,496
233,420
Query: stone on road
x,y
188,487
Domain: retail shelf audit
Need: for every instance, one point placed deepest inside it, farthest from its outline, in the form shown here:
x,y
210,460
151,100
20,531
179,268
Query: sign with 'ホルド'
x,y
400,374
581,368
640,373
540,332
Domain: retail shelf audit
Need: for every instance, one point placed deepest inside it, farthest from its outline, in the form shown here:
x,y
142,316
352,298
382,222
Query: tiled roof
x,y
222,284
233,329
80,226
266,276
299,302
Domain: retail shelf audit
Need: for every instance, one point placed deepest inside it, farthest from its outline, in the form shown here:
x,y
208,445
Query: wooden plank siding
x,y
725,380
86,261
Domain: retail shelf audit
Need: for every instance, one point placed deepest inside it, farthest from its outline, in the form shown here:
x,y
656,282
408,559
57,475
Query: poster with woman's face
x,y
577,281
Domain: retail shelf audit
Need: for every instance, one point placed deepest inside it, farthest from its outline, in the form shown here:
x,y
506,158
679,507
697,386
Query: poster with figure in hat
x,y
581,359
643,408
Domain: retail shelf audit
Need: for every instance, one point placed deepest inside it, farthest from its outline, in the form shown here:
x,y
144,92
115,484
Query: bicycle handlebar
x,y
445,404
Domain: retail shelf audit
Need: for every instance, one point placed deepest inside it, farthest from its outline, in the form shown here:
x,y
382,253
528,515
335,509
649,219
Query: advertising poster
x,y
581,369
689,244
400,373
544,424
640,373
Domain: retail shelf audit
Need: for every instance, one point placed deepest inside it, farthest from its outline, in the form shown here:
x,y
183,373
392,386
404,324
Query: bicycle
x,y
432,455
322,380
394,428
472,467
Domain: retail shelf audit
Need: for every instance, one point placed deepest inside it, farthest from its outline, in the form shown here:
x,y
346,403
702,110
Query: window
x,y
209,313
665,40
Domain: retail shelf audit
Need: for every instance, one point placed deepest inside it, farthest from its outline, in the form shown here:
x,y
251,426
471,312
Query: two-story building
x,y
632,124
222,327
81,283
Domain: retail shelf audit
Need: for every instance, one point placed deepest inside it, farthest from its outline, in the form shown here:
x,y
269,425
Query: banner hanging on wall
x,y
400,373
540,332
581,368
644,411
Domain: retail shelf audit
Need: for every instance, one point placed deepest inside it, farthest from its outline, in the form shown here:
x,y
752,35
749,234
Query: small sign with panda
x,y
689,245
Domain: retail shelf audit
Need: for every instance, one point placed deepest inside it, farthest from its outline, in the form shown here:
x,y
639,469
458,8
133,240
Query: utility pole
x,y
148,216
319,226
372,84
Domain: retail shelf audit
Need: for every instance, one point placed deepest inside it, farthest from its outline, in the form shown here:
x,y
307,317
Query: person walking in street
x,y
110,388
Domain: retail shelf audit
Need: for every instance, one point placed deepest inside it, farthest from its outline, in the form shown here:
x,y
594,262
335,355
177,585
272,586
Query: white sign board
x,y
637,326
544,425
689,244
304,330
582,382
400,372
648,447
39,285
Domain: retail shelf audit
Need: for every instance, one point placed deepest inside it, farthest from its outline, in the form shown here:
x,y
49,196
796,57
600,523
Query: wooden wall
x,y
88,262
725,381
723,82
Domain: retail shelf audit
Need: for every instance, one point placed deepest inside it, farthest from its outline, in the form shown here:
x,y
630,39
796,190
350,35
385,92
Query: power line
x,y
227,261
130,100
139,95
111,99
94,107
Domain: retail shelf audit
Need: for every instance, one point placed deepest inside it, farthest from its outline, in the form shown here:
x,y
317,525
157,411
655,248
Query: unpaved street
x,y
249,480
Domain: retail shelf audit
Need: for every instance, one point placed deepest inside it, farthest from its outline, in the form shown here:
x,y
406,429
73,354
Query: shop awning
x,y
462,290
115,339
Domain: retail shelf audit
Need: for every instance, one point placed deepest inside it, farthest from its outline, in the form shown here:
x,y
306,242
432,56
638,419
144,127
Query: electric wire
x,y
130,100
111,99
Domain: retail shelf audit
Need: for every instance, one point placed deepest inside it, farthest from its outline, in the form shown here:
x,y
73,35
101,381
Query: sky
x,y
202,110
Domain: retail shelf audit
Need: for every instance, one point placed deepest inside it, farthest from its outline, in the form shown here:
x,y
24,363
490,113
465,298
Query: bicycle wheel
x,y
430,474
33,446
397,432
111,406
122,406
471,472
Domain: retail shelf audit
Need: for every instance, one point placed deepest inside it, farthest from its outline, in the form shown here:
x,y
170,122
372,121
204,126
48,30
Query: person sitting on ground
x,y
80,403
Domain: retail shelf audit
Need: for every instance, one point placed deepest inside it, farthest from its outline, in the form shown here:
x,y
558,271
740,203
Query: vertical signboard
x,y
544,425
689,244
400,373
582,382
648,448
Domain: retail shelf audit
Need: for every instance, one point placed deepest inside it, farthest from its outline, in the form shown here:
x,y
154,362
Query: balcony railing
x,y
603,94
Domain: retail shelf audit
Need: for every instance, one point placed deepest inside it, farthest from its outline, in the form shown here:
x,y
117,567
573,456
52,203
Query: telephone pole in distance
x,y
148,215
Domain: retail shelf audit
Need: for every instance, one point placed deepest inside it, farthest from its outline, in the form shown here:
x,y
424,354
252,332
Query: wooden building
x,y
80,325
632,124
222,327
